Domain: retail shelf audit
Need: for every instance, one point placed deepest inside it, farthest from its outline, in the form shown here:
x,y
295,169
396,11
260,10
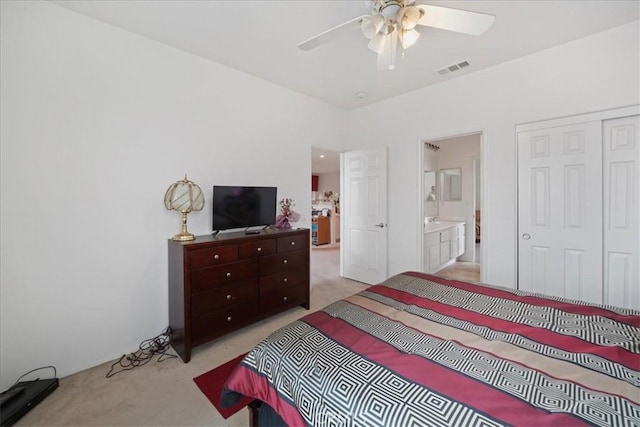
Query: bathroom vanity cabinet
x,y
444,242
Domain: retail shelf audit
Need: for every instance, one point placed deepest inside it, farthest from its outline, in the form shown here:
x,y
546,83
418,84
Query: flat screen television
x,y
243,207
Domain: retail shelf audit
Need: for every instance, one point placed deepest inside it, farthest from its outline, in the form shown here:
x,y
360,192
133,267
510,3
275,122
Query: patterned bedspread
x,y
419,350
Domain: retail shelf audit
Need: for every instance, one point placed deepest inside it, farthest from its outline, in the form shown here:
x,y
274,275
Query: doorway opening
x,y
450,207
325,212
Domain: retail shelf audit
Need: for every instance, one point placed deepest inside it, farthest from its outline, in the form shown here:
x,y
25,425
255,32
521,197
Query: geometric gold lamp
x,y
184,196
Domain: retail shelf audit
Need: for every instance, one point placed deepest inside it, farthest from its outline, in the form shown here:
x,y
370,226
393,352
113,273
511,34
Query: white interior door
x,y
363,201
560,211
621,142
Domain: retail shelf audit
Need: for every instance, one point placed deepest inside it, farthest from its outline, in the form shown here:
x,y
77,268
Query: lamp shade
x,y
377,43
408,38
371,25
184,196
409,17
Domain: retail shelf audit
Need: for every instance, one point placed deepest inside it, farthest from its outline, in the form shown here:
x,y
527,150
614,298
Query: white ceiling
x,y
324,161
260,38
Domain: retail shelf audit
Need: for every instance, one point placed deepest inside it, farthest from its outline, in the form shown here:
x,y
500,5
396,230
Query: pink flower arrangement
x,y
287,215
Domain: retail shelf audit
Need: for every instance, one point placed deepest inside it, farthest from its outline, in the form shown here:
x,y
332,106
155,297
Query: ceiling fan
x,y
393,22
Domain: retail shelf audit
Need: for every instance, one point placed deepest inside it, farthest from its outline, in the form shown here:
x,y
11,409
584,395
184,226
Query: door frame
x,y
483,197
477,163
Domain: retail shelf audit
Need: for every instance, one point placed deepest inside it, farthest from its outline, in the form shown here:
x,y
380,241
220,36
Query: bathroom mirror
x,y
429,186
450,184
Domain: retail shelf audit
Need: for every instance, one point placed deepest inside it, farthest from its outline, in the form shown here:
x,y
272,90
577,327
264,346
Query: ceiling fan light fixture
x,y
371,25
391,24
377,43
409,17
408,38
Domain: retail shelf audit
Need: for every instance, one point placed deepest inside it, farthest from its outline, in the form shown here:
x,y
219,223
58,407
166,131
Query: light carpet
x,y
164,394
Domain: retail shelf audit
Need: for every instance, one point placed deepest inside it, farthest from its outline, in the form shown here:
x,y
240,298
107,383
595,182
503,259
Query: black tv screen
x,y
242,207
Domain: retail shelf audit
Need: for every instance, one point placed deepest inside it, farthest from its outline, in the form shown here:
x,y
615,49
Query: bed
x,y
425,351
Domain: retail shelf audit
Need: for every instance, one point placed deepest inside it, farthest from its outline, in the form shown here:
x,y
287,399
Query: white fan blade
x,y
329,35
461,21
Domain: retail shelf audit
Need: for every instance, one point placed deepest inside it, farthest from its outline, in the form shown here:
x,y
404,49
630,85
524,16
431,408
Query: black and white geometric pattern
x,y
531,386
611,308
332,386
595,329
587,360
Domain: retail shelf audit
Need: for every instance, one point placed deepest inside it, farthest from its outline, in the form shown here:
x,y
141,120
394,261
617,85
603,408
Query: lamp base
x,y
183,237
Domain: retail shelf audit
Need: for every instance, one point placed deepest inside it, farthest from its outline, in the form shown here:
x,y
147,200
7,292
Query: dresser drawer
x,y
224,275
276,299
292,243
292,277
282,262
209,257
220,322
216,282
259,248
239,294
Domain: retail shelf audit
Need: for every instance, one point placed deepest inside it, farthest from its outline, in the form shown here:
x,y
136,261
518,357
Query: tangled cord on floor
x,y
148,348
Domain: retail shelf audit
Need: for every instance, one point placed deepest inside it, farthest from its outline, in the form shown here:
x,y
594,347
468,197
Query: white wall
x,y
590,74
96,124
328,182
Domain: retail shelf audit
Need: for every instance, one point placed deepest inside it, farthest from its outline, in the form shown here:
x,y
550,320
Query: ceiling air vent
x,y
453,67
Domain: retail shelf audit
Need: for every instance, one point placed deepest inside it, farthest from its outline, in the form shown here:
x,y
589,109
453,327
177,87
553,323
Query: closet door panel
x,y
621,192
560,211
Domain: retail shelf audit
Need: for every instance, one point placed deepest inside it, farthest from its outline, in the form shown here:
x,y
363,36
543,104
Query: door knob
x,y
526,236
381,225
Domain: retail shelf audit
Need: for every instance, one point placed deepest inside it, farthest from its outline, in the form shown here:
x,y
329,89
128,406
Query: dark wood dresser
x,y
218,284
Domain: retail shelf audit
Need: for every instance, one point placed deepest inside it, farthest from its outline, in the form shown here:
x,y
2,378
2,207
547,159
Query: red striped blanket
x,y
422,350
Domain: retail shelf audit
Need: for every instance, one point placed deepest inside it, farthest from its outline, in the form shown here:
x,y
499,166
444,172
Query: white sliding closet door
x,y
621,231
578,207
560,211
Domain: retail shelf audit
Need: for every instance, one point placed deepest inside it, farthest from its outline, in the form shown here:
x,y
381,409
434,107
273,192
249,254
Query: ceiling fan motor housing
x,y
389,8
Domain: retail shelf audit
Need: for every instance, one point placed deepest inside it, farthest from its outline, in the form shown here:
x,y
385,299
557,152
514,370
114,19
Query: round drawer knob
x,y
228,274
284,298
229,297
216,256
259,249
285,280
229,319
292,243
285,261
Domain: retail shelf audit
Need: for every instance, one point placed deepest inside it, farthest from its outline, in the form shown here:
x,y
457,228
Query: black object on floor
x,y
33,392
